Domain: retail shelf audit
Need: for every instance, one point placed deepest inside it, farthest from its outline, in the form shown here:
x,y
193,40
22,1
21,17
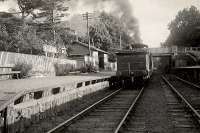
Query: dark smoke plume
x,y
118,8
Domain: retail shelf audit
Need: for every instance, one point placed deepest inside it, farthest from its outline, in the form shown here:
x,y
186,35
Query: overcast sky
x,y
153,15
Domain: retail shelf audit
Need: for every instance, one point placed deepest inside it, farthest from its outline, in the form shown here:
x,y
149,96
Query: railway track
x,y
107,115
184,116
190,91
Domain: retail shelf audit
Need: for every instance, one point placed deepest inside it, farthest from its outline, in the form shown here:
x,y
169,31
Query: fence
x,y
41,64
111,66
192,49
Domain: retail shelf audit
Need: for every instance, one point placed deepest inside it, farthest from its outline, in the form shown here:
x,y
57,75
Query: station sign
x,y
49,49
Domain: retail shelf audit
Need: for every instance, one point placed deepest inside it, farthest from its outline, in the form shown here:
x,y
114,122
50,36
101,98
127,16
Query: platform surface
x,y
189,67
12,88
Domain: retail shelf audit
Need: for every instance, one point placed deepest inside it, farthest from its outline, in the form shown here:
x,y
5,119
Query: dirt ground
x,y
152,108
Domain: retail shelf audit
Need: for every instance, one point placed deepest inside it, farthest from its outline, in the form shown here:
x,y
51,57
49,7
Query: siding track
x,y
184,116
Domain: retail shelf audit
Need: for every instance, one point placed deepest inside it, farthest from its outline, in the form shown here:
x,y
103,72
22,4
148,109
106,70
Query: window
x,y
55,91
38,94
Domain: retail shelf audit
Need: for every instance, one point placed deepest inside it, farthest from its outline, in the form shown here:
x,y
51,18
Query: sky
x,y
153,15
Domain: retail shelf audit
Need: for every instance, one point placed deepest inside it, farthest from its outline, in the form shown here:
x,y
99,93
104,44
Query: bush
x,y
112,57
88,68
23,67
83,69
63,69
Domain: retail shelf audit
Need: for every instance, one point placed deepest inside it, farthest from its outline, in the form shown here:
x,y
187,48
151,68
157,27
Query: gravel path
x,y
155,106
151,112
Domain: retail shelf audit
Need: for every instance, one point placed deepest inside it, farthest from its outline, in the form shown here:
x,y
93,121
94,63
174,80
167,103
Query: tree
x,y
53,12
50,13
15,35
68,37
107,31
29,35
28,40
5,40
28,6
47,20
183,30
9,25
100,36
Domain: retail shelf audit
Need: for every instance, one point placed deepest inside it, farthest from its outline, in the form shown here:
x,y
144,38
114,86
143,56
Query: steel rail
x,y
77,116
117,130
183,99
187,82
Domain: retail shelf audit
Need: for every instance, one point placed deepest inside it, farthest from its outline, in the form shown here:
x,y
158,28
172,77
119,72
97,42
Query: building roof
x,y
91,47
130,52
139,45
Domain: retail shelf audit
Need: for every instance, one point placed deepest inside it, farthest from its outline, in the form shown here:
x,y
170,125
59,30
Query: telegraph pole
x,y
120,41
88,16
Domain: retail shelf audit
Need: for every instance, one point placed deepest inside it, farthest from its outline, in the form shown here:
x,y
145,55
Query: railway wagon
x,y
134,64
133,67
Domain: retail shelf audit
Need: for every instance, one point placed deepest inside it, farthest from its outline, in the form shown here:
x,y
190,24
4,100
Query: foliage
x,y
100,36
53,27
83,69
28,6
28,41
91,68
23,67
88,68
112,57
16,36
106,33
5,40
67,36
53,10
28,35
9,25
63,69
47,8
183,29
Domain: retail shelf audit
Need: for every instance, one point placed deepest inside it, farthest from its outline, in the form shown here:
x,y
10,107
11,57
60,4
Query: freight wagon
x,y
134,64
133,67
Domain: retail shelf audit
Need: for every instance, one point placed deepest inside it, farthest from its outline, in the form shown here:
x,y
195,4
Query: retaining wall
x,y
31,106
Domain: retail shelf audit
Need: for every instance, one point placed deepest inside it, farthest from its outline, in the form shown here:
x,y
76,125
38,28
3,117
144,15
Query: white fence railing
x,y
192,49
160,50
174,50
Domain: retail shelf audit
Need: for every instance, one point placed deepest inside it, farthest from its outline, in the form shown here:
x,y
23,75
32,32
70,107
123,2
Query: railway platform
x,y
22,101
191,73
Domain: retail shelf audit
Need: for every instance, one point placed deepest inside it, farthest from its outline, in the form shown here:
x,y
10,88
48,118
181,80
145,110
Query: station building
x,y
80,52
